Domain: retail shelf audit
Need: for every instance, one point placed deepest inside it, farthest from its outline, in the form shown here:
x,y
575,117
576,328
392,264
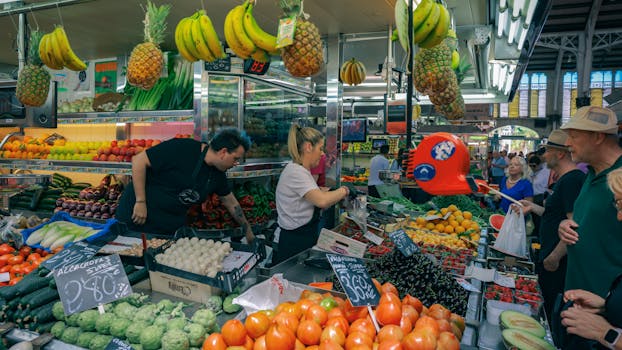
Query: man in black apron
x,y
171,177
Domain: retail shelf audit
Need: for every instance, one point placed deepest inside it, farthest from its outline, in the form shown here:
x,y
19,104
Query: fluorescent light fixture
x,y
415,3
517,8
496,71
501,21
508,84
523,36
513,29
503,74
503,4
531,9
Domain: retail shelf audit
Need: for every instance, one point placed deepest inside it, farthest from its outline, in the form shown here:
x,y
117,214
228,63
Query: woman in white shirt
x,y
298,197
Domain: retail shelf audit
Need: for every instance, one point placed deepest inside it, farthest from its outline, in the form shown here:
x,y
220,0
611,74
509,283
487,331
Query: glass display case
x,y
224,97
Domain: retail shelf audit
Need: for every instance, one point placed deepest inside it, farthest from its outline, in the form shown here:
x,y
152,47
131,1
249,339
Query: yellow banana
x,y
43,50
237,21
49,52
231,39
428,25
180,43
440,31
55,52
188,39
422,12
260,55
262,39
70,59
210,37
199,42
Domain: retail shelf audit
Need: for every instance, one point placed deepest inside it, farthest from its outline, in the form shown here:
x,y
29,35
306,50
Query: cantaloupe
x,y
515,320
520,340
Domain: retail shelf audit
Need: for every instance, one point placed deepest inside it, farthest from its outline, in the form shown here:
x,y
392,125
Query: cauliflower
x,y
99,342
132,333
103,323
175,339
119,326
84,339
70,335
125,310
196,334
58,311
205,318
86,320
57,329
151,338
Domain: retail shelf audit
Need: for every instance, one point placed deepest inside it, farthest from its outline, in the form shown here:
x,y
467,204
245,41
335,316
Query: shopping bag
x,y
513,236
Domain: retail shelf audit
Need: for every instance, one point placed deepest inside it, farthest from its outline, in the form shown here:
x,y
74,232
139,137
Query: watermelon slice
x,y
496,221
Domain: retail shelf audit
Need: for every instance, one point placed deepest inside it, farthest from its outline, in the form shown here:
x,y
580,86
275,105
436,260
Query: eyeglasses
x,y
617,203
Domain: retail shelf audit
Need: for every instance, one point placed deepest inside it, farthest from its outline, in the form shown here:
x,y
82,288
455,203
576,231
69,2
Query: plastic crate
x,y
106,231
226,281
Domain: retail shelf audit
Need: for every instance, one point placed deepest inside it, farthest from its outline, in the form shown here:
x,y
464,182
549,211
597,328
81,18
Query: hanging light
x,y
503,4
531,9
517,8
501,21
513,29
502,77
509,81
523,36
495,74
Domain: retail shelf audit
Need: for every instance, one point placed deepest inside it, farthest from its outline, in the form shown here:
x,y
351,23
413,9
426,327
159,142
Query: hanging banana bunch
x,y
56,53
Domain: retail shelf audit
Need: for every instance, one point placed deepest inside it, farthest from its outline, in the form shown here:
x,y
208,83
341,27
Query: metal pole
x,y
409,88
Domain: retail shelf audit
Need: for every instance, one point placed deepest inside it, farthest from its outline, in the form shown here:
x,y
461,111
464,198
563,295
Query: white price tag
x,y
373,238
504,281
5,277
466,285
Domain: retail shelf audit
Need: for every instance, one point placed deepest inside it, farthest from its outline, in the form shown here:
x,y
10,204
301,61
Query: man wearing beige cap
x,y
593,238
558,206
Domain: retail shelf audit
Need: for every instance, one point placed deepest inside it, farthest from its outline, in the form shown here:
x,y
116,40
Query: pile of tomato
x,y
326,322
19,262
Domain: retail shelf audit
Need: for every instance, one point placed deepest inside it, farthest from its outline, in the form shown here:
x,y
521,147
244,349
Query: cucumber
x,y
45,327
8,292
47,296
28,285
43,313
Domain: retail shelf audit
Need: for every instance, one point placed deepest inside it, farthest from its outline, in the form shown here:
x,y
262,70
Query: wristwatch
x,y
612,337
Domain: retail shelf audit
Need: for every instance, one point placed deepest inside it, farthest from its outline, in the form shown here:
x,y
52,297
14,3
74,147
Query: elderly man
x,y
557,207
592,236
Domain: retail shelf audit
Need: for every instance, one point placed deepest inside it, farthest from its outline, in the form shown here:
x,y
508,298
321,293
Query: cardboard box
x,y
334,242
181,287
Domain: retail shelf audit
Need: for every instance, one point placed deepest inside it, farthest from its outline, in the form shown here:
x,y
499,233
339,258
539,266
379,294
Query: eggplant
x,y
88,214
105,216
59,202
97,215
96,207
80,206
105,208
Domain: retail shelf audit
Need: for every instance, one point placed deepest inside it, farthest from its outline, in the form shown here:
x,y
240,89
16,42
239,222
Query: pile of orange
x,y
457,224
325,322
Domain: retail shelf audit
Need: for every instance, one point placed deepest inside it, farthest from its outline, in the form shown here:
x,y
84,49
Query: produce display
x,y
85,201
136,249
329,322
57,234
56,53
19,262
352,230
526,292
33,81
199,256
453,261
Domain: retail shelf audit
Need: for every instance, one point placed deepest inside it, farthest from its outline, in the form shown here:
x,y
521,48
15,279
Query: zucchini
x,y
25,301
43,313
45,327
12,304
52,284
48,201
26,286
138,275
47,296
8,292
42,271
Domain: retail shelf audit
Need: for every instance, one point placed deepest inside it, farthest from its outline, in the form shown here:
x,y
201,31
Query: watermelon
x,y
496,221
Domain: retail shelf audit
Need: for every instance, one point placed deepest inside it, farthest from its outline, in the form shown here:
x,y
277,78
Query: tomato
x,y
256,324
317,313
456,331
25,251
439,312
353,313
313,347
260,343
5,248
336,312
391,298
249,344
16,259
427,322
328,303
457,320
5,268
358,338
304,304
43,253
416,303
279,337
405,324
28,269
14,280
388,287
16,270
289,307
443,326
299,345
447,341
288,320
410,312
420,339
334,334
270,313
364,325
4,259
390,344
329,345
33,257
377,284
390,332
388,313
309,332
214,341
338,321
234,333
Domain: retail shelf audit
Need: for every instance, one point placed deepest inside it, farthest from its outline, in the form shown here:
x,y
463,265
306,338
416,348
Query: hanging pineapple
x,y
146,60
33,82
304,57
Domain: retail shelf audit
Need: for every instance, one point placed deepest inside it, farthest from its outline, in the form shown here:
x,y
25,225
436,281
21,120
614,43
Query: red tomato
x,y
260,343
336,312
14,280
420,339
25,251
390,344
288,320
405,324
309,332
443,326
28,269
257,324
391,298
279,337
388,313
16,259
6,249
234,333
317,314
33,256
353,313
358,338
439,312
334,334
388,287
338,321
427,322
364,325
214,341
5,268
4,259
410,312
416,303
390,332
447,341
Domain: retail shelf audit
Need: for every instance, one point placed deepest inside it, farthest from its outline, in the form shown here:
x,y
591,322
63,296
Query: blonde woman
x,y
516,184
298,197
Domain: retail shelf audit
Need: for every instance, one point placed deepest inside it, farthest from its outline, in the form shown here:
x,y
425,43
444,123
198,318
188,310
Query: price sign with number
x,y
118,344
354,279
91,283
404,243
219,65
255,67
76,253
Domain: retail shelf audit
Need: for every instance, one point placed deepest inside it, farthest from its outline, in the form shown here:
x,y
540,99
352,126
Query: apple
x,y
127,159
107,150
102,158
112,158
148,142
116,150
141,143
123,151
113,143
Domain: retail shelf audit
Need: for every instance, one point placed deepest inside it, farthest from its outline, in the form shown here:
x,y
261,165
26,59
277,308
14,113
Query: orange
x,y
440,227
449,229
467,214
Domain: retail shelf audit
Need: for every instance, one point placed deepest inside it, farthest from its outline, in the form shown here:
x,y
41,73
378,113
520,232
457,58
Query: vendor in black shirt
x,y
171,177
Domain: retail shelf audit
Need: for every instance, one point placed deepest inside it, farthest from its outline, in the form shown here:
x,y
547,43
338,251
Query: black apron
x,y
292,242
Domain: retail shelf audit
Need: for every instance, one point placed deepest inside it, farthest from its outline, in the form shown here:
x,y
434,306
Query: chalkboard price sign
x,y
404,243
91,283
118,344
354,279
219,65
76,253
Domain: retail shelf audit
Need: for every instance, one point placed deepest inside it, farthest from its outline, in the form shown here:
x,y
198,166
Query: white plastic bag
x,y
513,236
268,294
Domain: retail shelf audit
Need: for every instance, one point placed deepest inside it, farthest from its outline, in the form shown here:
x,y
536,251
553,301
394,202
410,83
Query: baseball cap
x,y
557,139
593,118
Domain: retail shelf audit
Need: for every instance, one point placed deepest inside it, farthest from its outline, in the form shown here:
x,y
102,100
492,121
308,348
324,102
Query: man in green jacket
x,y
593,234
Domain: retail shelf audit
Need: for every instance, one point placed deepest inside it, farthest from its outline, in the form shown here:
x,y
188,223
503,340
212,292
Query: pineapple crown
x,y
463,67
292,8
155,22
33,48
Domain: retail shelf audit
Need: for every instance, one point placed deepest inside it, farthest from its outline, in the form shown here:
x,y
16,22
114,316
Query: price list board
x,y
354,279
